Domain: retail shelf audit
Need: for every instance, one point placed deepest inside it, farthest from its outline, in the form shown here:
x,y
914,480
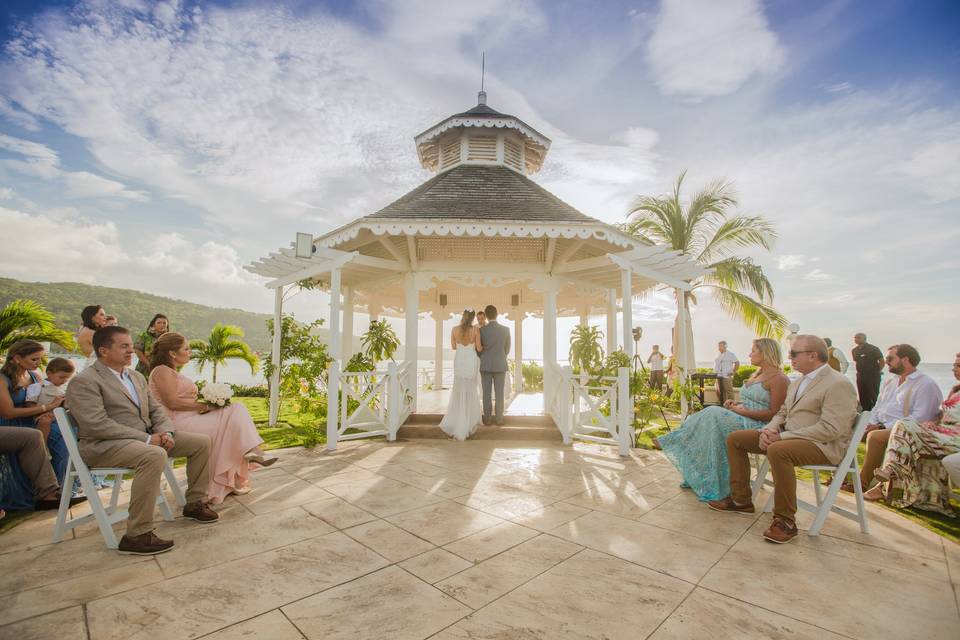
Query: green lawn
x,y
944,525
292,429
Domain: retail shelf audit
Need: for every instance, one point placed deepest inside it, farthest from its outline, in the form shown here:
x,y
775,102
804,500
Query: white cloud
x,y
78,249
789,261
702,48
933,168
43,162
838,87
11,113
818,275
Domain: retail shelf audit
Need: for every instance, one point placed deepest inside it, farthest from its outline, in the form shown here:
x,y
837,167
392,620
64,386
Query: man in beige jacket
x,y
814,426
120,424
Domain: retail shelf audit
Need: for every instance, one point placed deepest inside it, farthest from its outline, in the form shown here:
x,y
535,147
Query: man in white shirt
x,y
836,359
725,366
912,394
656,368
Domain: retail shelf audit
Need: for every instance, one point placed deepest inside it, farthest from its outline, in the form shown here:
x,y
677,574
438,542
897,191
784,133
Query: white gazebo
x,y
482,231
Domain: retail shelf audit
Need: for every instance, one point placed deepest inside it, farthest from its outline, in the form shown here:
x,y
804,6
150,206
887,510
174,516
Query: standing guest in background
x,y
19,371
725,366
144,342
481,319
92,318
837,361
657,374
111,321
234,437
869,362
912,395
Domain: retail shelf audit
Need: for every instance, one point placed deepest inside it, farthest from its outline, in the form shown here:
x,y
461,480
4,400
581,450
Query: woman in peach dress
x,y
234,437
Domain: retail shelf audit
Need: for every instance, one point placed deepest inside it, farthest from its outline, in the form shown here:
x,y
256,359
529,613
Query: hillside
x,y
134,309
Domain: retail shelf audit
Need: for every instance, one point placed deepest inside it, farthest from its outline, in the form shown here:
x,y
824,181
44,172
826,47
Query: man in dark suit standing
x,y
869,361
495,340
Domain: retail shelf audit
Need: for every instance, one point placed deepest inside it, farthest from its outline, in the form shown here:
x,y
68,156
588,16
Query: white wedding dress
x,y
464,411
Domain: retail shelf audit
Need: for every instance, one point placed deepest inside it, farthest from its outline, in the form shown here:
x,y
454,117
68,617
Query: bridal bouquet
x,y
216,394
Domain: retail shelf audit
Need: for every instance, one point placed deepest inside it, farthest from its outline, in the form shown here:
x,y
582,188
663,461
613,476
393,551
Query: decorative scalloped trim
x,y
583,232
500,123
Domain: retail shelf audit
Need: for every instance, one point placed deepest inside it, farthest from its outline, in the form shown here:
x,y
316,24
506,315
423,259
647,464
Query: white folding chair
x,y
105,516
825,504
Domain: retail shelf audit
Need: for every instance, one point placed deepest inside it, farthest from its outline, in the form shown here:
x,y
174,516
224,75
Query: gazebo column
x,y
347,330
275,355
584,315
373,309
549,344
625,285
680,350
518,352
411,346
336,343
611,321
438,352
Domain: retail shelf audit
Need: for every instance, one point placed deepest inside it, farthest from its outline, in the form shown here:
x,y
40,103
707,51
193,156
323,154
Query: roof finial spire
x,y
482,96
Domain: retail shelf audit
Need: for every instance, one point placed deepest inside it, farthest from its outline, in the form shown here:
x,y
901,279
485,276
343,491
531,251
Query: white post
x,y
373,309
584,315
625,417
680,350
611,321
438,352
275,356
333,405
549,344
335,342
411,347
393,401
566,404
625,284
518,352
347,330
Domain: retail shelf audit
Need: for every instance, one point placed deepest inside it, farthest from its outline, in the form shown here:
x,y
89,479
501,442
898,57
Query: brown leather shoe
x,y
146,544
200,512
781,531
729,506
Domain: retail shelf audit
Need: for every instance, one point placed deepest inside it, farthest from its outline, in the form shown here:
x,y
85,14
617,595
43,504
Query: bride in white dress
x,y
464,411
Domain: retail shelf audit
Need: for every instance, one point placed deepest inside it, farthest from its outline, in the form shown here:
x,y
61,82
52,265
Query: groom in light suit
x,y
495,340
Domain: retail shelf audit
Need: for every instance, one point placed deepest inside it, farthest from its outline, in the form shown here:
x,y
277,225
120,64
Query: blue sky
x,y
162,145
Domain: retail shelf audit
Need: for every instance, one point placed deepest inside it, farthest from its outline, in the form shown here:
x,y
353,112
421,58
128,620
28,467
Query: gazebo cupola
x,y
482,136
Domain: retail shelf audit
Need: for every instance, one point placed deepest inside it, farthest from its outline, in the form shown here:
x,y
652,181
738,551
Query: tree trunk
x,y
214,371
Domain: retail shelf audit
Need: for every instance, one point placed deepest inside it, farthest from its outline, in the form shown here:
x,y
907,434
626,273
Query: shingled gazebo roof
x,y
482,193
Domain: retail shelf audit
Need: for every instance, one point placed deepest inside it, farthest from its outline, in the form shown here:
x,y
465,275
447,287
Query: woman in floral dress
x,y
911,474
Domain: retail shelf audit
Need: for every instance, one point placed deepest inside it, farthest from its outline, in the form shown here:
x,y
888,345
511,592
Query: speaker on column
x,y
443,299
515,300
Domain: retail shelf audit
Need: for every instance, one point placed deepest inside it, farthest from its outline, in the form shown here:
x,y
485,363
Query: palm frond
x,y
29,320
742,231
742,274
766,321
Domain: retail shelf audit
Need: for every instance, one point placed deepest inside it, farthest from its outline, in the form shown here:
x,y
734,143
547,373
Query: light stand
x,y
637,358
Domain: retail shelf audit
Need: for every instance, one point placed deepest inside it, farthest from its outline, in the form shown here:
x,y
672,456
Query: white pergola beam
x,y
567,254
412,253
551,253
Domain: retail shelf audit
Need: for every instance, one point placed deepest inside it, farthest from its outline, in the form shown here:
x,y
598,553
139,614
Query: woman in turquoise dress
x,y
698,449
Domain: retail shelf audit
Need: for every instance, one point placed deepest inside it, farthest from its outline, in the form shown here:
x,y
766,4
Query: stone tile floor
x,y
480,540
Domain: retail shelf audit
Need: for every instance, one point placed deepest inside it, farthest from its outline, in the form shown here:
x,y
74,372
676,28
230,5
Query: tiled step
x,y
539,428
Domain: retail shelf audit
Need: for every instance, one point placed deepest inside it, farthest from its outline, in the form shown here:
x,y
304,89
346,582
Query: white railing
x,y
383,400
585,409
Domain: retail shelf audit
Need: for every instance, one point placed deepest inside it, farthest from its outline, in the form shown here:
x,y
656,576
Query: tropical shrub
x,y
28,320
225,343
586,348
250,391
532,376
743,372
380,341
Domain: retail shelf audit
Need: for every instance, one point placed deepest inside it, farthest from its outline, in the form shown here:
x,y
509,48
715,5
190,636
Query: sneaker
x,y
729,506
146,544
781,531
201,512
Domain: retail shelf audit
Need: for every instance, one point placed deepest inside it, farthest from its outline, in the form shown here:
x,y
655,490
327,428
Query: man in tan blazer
x,y
120,424
814,426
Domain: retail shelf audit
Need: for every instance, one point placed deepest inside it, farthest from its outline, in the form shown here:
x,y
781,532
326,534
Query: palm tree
x,y
28,320
586,350
223,344
705,230
380,341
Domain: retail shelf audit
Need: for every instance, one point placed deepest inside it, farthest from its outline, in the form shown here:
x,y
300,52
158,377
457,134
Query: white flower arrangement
x,y
216,394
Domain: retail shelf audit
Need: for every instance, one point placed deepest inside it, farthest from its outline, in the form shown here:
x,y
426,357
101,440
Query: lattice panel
x,y
497,250
459,249
450,151
513,154
482,148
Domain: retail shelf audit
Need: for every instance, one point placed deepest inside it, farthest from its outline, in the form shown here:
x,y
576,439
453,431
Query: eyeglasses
x,y
794,354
